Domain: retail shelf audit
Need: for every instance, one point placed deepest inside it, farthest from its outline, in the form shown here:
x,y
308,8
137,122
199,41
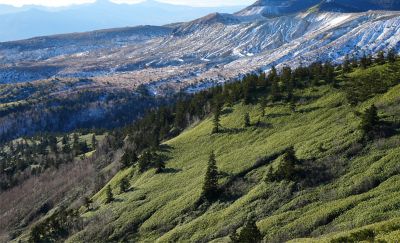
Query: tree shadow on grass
x,y
227,130
170,171
307,110
278,115
165,148
227,111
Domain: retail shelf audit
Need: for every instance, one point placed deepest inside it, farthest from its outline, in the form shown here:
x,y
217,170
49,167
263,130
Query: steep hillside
x,y
345,186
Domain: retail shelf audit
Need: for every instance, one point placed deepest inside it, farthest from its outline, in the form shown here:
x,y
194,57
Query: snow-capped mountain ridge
x,y
216,47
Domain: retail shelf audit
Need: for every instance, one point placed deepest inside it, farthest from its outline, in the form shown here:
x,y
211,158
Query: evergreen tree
x,y
109,194
364,61
287,168
346,64
370,122
66,148
129,158
180,119
286,78
216,120
94,142
380,59
124,185
145,160
159,165
275,89
354,62
263,105
329,71
87,202
246,120
210,186
392,55
250,233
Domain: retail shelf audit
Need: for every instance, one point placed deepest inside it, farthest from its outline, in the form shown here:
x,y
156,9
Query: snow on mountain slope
x,y
270,8
217,47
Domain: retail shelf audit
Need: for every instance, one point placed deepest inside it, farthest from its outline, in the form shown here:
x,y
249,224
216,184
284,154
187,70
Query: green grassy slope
x,y
363,189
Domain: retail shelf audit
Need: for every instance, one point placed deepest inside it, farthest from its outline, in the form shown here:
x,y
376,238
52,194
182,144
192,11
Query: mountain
x,y
272,8
359,5
304,171
217,47
105,137
31,21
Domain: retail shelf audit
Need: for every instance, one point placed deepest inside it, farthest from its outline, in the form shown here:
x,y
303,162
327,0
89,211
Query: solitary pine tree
x,y
370,122
287,168
159,164
216,120
109,194
124,185
246,120
250,233
210,186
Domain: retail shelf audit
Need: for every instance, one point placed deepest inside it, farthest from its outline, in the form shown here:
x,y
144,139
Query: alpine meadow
x,y
277,123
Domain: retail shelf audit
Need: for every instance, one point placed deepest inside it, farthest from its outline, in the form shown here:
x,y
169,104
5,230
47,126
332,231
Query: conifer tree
x,y
364,61
263,105
392,55
346,64
380,59
124,185
129,158
210,186
109,194
87,202
287,168
216,120
370,122
250,233
275,89
65,139
246,120
354,62
160,165
94,142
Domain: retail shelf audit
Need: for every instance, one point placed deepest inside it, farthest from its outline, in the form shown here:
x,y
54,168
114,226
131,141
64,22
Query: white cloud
x,y
59,3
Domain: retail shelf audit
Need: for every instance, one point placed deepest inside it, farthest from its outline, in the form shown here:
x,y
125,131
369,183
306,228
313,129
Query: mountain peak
x,y
272,8
359,5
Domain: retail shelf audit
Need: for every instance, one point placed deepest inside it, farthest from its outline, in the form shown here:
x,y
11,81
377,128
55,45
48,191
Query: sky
x,y
195,3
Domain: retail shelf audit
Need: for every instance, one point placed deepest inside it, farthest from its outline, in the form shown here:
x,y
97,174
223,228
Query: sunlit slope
x,y
361,186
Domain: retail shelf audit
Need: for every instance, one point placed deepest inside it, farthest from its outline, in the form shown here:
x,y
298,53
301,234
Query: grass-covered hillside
x,y
304,155
346,188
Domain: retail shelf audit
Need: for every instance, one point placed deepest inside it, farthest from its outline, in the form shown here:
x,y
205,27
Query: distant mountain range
x,y
30,21
214,48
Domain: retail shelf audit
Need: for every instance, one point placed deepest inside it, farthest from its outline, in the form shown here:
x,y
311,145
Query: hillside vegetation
x,y
348,188
310,154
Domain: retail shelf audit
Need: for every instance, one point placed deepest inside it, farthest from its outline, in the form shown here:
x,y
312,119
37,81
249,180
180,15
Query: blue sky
x,y
196,3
